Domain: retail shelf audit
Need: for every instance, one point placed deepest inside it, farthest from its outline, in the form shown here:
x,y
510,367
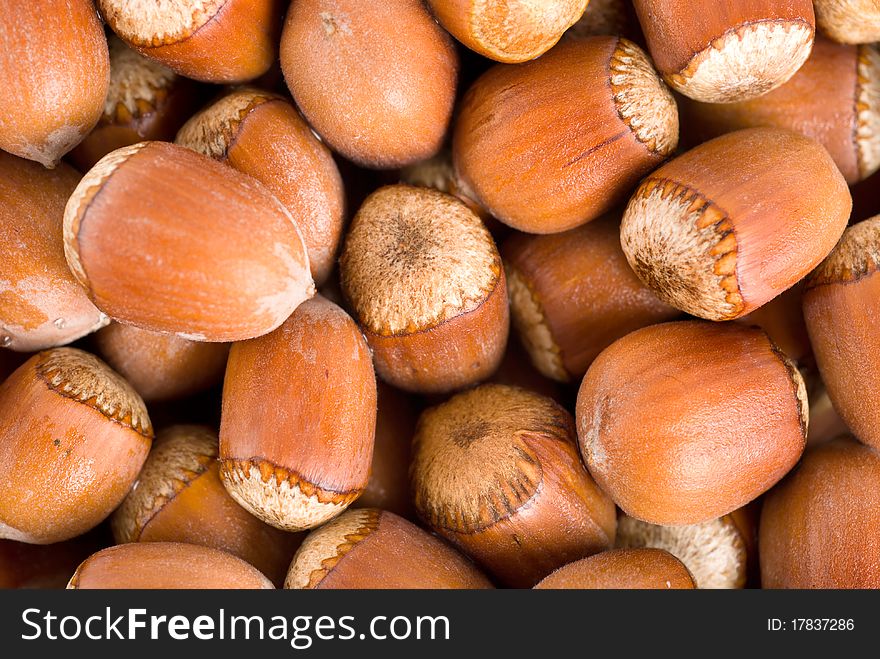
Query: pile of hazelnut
x,y
260,260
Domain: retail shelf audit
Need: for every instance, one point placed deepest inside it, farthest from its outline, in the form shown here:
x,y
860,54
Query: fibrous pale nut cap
x,y
746,62
135,82
857,255
281,503
849,21
82,377
531,324
643,101
682,246
868,110
179,456
713,551
472,464
414,258
325,547
213,130
151,23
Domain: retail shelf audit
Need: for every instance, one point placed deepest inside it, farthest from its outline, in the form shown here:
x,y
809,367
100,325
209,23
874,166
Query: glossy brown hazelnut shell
x,y
55,70
621,569
495,470
41,303
368,548
726,227
697,434
298,464
840,307
73,437
380,97
573,294
543,152
819,527
263,135
166,566
727,51
172,241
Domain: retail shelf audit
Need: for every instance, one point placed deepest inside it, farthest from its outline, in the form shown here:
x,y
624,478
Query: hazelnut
x,y
849,21
427,287
208,40
819,527
833,99
572,294
697,434
495,470
544,152
381,96
388,487
370,548
262,134
717,553
146,101
161,366
165,566
841,303
41,304
55,71
179,498
603,18
73,437
172,241
622,569
508,30
731,51
299,463
731,224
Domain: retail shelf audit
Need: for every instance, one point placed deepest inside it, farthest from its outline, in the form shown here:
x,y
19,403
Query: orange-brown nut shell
x,y
834,99
727,51
146,101
264,136
299,418
698,433
622,569
376,80
543,152
73,437
508,30
179,498
220,41
55,72
388,487
172,241
41,304
495,470
819,527
731,224
370,548
161,366
572,294
427,287
166,566
841,303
